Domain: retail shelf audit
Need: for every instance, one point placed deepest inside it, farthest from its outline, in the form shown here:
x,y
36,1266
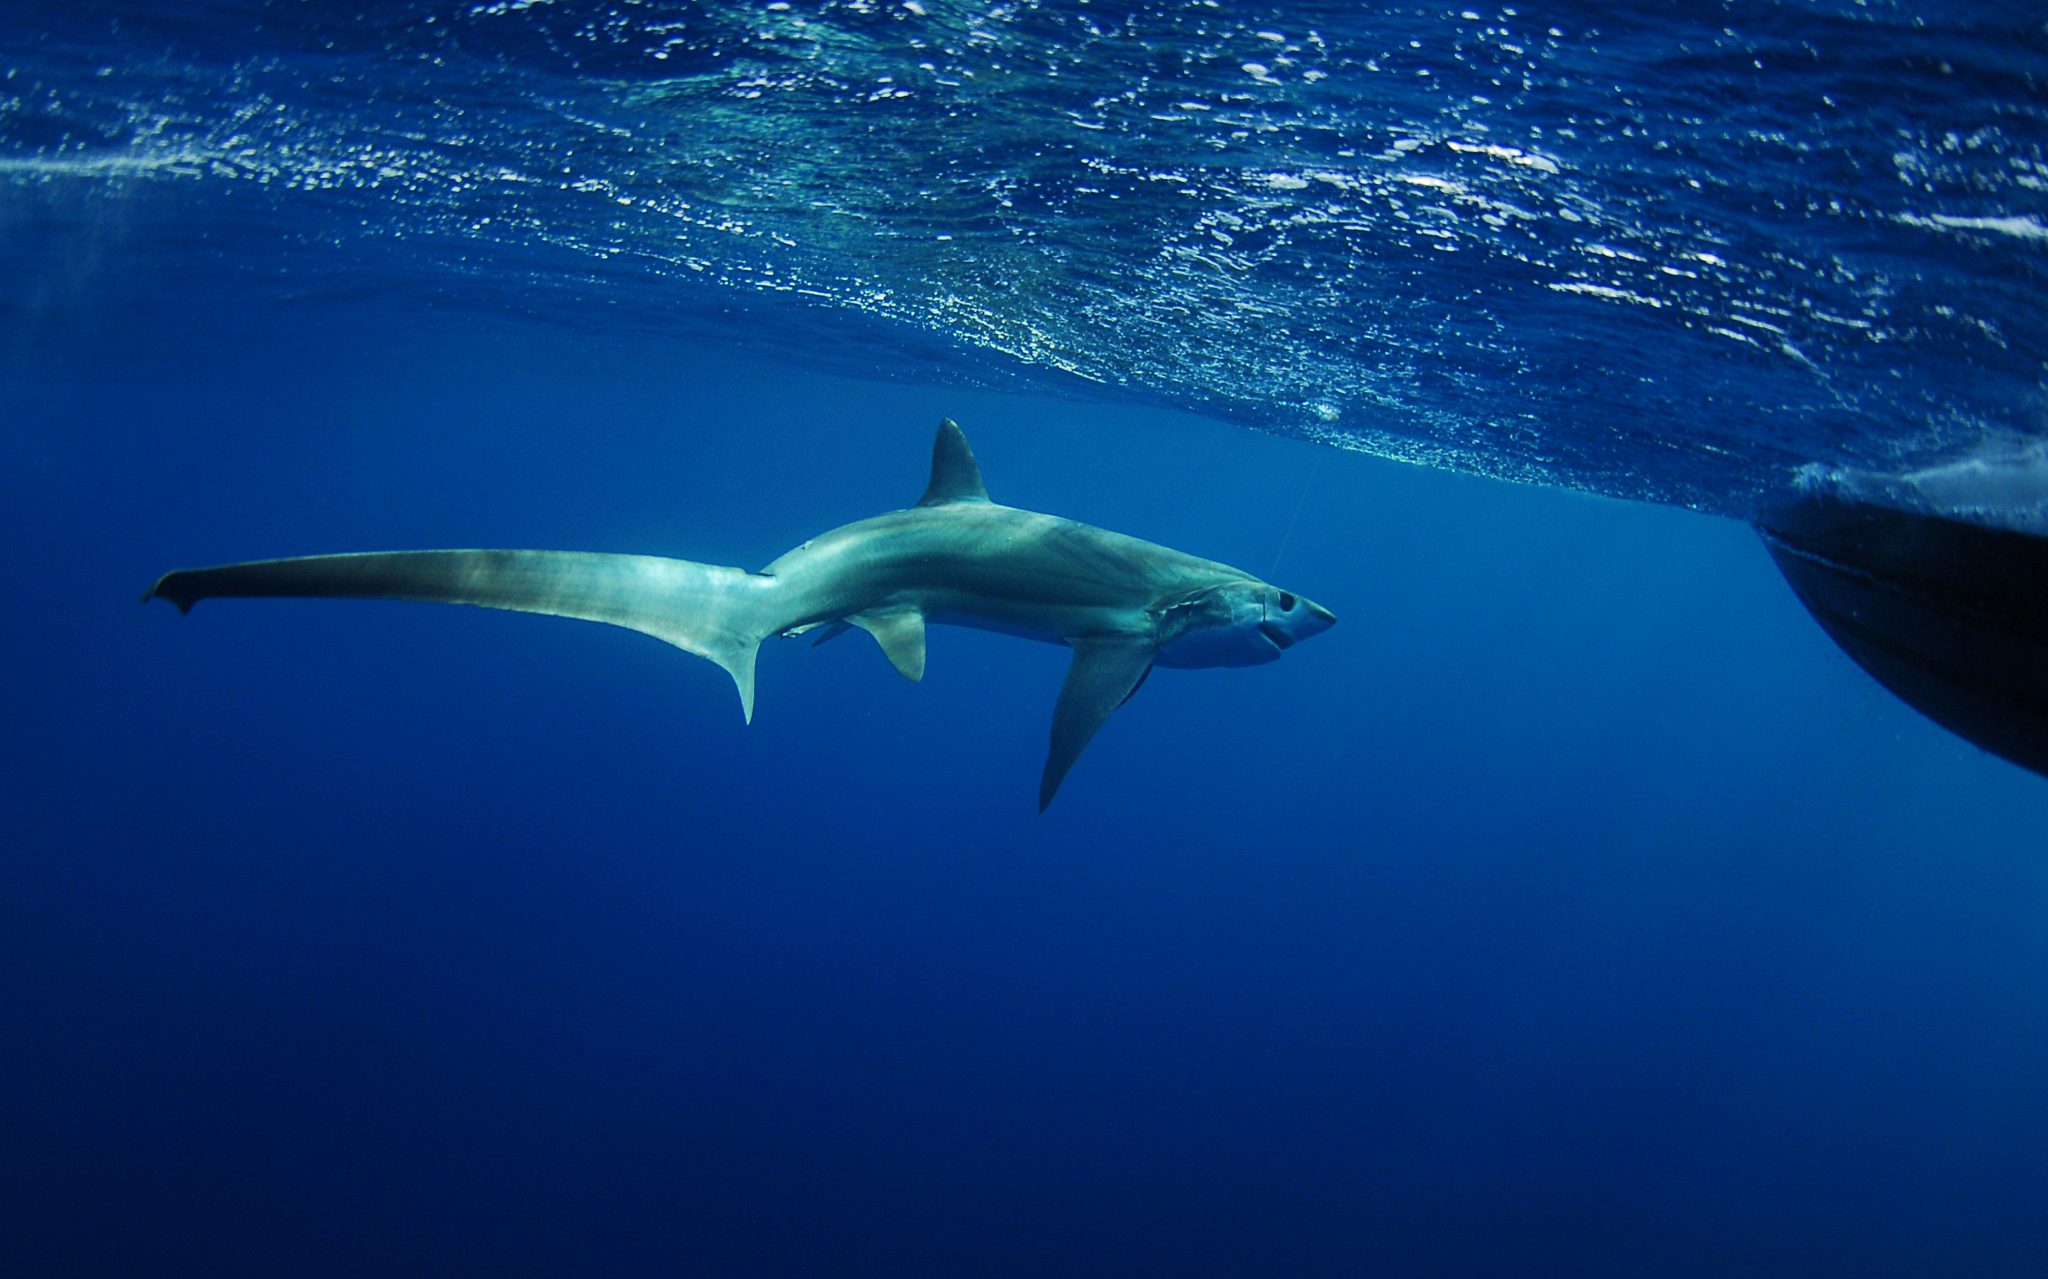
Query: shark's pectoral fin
x,y
1135,687
1104,675
900,632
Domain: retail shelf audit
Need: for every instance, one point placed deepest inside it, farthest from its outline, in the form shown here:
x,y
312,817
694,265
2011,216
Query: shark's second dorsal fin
x,y
955,475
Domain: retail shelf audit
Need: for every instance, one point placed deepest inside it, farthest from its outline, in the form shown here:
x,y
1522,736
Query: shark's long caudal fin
x,y
712,611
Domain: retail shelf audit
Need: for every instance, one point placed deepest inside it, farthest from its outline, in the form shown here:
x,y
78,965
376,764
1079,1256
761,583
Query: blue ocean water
x,y
1573,907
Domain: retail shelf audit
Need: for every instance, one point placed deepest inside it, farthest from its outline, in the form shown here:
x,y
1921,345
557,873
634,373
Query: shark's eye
x,y
1286,602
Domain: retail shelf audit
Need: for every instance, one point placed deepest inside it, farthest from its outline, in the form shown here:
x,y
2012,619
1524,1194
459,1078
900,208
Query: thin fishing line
x,y
1299,502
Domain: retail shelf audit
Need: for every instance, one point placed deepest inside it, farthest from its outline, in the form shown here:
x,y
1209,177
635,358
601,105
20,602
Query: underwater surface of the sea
x,y
1572,907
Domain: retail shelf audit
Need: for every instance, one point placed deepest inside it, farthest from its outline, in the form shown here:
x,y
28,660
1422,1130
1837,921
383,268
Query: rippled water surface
x,y
1671,254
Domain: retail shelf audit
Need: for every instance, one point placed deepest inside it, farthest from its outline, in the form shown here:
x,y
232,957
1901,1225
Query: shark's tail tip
x,y
156,590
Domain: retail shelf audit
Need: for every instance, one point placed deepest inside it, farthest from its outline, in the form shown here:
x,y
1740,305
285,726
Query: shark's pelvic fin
x,y
1105,673
956,477
712,611
900,632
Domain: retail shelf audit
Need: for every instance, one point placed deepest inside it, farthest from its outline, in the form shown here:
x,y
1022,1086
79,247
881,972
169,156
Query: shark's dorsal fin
x,y
1104,675
955,475
900,632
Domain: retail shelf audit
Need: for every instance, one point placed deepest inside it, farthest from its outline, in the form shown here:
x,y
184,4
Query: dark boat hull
x,y
1951,616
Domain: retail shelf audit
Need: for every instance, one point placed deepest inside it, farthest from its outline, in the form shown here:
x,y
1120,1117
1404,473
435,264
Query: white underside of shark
x,y
1123,605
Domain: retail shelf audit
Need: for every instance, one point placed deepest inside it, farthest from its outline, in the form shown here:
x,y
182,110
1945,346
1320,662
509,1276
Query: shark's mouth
x,y
1281,639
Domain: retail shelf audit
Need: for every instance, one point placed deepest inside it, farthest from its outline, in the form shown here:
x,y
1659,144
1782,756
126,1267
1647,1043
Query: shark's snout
x,y
1292,618
1304,617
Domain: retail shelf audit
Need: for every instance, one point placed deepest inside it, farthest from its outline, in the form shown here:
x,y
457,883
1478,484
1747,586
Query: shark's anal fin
x,y
956,476
900,632
1104,675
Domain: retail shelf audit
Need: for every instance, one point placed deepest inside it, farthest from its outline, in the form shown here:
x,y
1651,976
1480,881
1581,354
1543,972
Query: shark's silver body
x,y
1122,604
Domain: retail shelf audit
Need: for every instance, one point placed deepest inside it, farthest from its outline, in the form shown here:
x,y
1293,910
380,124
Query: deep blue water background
x,y
1573,907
